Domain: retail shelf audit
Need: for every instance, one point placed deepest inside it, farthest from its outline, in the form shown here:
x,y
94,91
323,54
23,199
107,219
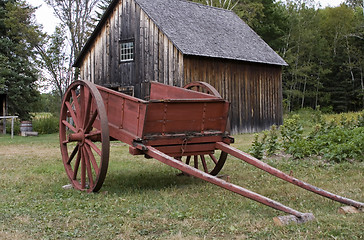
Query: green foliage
x,y
323,49
272,144
16,129
102,5
18,74
341,144
335,141
257,149
291,131
48,102
46,125
361,119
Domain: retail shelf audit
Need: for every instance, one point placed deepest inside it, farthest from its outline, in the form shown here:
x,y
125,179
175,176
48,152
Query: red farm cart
x,y
177,126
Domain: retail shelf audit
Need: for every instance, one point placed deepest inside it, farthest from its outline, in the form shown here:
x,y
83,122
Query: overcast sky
x,y
44,14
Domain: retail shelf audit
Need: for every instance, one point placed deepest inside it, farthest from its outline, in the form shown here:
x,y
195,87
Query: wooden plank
x,y
180,69
119,34
151,51
142,59
155,53
93,65
138,64
175,67
165,60
116,45
147,62
182,138
97,60
170,63
161,57
195,149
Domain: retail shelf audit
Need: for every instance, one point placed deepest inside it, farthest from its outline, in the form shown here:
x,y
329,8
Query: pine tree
x,y
18,74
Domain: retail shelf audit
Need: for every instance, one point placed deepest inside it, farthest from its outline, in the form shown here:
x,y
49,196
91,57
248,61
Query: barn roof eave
x,y
283,63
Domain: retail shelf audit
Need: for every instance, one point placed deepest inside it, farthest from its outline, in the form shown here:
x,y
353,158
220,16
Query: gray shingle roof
x,y
201,30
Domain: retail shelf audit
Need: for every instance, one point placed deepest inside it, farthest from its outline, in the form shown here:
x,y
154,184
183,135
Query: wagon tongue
x,y
275,172
294,217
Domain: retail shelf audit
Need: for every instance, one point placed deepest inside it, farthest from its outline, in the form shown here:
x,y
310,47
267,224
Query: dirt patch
x,y
29,151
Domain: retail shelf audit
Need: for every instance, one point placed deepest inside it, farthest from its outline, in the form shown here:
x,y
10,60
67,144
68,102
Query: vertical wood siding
x,y
254,90
155,59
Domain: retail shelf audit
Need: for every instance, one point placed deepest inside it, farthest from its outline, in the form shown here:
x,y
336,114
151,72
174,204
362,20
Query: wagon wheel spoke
x,y
93,146
94,136
88,101
88,167
213,158
204,164
73,114
83,103
195,161
93,133
91,121
188,159
83,170
67,124
92,159
77,164
75,102
210,163
87,143
72,154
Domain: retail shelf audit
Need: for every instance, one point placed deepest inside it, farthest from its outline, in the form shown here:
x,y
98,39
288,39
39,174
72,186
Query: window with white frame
x,y
126,51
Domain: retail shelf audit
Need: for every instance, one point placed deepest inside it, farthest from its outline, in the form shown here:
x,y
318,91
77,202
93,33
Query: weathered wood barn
x,y
177,42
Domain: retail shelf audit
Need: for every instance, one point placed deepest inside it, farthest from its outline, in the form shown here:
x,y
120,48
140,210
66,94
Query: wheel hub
x,y
77,137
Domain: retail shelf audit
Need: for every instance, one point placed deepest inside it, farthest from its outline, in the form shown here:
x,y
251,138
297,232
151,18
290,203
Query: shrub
x,y
291,131
272,144
257,149
16,126
46,125
342,144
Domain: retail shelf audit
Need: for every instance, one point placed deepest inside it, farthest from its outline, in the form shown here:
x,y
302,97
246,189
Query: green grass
x,y
144,199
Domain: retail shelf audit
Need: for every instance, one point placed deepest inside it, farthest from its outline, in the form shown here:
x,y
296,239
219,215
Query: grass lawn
x,y
144,199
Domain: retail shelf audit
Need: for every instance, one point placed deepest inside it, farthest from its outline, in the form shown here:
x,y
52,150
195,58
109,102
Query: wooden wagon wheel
x,y
84,136
211,163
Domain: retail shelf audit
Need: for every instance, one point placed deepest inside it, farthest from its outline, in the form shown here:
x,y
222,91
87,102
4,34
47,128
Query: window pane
x,y
126,51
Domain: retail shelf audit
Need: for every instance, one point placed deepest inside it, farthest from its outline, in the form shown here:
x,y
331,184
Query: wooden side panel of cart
x,y
171,111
